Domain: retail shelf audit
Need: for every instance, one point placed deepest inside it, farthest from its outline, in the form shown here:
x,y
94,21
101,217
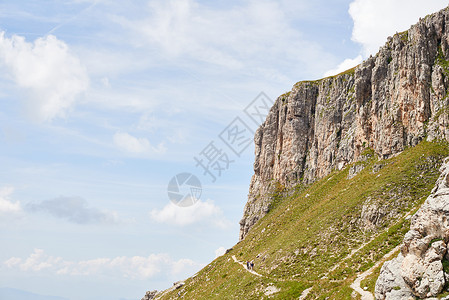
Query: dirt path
x,y
244,266
305,293
356,284
354,251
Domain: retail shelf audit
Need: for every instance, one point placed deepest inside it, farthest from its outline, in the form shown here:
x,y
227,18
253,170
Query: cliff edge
x,y
389,102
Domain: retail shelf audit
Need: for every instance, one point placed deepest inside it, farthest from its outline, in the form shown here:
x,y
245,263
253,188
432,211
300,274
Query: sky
x,y
103,102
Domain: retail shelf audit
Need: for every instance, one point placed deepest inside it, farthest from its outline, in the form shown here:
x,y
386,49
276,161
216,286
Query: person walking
x,y
247,265
252,265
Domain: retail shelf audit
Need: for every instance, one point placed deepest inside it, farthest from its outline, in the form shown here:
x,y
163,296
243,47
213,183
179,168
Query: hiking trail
x,y
354,251
305,293
244,266
366,295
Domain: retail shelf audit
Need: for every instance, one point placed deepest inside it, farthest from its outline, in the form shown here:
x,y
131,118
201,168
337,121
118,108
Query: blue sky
x,y
103,102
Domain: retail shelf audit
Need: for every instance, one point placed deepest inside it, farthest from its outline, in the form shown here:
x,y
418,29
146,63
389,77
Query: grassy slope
x,y
313,230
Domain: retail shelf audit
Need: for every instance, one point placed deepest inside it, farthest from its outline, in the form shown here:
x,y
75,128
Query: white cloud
x,y
246,36
135,267
132,144
52,76
37,261
183,264
345,65
375,20
13,261
8,207
75,210
182,216
220,251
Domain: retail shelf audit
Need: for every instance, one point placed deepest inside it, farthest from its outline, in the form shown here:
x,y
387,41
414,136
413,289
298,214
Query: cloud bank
x,y
375,20
136,267
220,251
75,210
206,33
47,71
200,212
131,144
7,206
345,65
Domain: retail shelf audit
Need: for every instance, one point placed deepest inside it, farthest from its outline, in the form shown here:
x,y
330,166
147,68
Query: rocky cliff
x,y
389,102
422,267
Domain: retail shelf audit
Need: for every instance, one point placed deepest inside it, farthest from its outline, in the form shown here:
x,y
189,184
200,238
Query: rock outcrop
x,y
150,295
421,269
389,102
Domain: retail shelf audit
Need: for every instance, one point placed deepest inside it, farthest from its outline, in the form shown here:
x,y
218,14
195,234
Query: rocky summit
x,y
350,193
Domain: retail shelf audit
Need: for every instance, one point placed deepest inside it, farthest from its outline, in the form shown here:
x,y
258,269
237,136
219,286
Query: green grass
x,y
370,281
444,64
403,36
434,240
442,61
350,72
316,227
442,111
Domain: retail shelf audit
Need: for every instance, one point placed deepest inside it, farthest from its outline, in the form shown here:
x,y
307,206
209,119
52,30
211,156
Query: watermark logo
x,y
213,161
217,156
237,136
259,108
184,189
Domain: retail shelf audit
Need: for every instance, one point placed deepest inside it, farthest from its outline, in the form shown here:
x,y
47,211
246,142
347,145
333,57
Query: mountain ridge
x,y
316,240
341,165
389,102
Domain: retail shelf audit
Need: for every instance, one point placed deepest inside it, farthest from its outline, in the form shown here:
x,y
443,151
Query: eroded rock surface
x,y
389,102
150,295
418,270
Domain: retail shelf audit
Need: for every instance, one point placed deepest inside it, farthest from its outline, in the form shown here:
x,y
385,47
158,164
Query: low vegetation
x,y
321,236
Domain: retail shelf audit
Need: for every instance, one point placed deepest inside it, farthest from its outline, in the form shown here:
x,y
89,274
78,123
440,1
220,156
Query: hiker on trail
x,y
247,264
252,265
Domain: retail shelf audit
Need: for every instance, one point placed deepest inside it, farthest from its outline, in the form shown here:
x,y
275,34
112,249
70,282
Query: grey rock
x,y
391,101
391,285
354,170
377,167
150,295
178,284
419,265
372,216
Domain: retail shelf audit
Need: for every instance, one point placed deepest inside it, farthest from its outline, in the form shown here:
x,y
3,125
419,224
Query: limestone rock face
x,y
391,285
418,270
389,102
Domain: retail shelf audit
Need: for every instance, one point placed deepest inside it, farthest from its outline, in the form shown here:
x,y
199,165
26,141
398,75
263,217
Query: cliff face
x,y
389,102
421,269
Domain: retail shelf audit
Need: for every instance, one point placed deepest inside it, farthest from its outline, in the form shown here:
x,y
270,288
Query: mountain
x,y
388,103
15,294
348,199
